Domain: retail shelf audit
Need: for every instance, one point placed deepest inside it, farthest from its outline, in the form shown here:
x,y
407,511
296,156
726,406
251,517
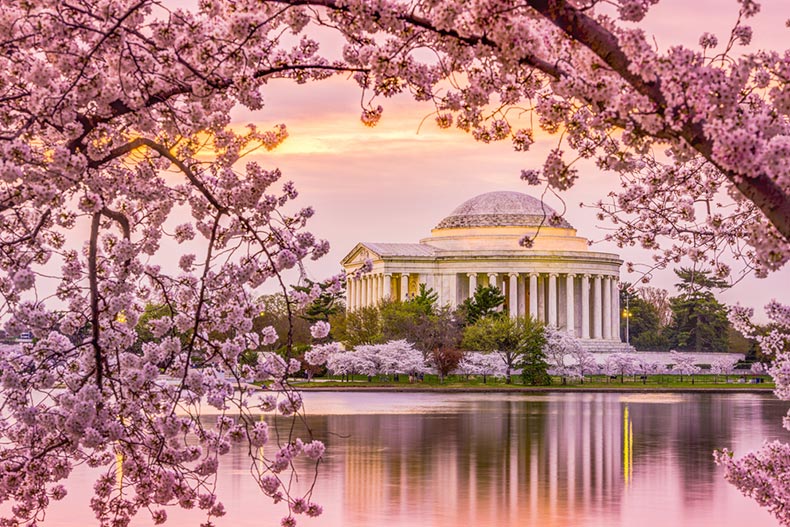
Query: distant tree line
x,y
479,337
693,320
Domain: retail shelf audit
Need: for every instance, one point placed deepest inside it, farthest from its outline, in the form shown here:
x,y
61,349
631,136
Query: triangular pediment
x,y
359,254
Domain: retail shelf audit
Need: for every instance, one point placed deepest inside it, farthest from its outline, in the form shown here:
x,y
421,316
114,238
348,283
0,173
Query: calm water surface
x,y
569,459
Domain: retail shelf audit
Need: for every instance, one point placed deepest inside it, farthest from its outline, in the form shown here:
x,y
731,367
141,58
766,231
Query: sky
x,y
395,182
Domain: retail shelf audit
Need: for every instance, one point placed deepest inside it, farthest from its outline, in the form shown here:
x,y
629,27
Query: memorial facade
x,y
556,279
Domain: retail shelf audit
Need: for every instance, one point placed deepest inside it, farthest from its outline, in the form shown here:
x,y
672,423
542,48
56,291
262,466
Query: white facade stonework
x,y
557,280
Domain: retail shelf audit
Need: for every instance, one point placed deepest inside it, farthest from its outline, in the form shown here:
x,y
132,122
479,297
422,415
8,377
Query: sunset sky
x,y
397,181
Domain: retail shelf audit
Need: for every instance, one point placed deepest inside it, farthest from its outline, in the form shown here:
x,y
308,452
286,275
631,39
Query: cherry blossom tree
x,y
396,356
116,152
562,353
621,364
483,364
684,365
320,354
724,366
348,363
584,362
646,368
389,358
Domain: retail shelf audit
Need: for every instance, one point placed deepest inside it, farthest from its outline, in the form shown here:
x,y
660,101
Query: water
x,y
569,459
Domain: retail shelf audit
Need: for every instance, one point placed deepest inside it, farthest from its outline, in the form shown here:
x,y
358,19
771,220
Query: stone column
x,y
387,286
569,304
533,295
522,296
513,293
364,287
607,308
349,293
597,307
472,283
450,282
404,286
492,279
553,304
616,309
586,306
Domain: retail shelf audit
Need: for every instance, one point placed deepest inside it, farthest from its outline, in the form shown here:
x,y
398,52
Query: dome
x,y
502,209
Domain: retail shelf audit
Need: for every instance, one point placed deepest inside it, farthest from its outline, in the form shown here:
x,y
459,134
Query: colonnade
x,y
586,305
370,289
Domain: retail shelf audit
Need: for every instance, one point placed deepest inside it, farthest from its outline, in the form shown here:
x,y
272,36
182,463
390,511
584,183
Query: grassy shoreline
x,y
656,384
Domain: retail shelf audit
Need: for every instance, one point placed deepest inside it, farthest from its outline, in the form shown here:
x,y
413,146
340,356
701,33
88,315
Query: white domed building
x,y
557,280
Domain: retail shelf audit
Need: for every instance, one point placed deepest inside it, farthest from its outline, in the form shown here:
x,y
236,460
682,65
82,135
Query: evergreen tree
x,y
533,363
484,302
326,305
425,299
699,321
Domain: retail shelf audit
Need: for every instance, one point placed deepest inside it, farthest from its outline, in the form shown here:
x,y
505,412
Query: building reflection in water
x,y
556,460
441,460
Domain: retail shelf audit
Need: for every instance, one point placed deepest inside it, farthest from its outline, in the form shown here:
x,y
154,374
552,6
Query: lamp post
x,y
627,315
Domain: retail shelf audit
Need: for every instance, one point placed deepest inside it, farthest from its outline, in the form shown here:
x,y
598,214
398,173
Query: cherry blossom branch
x,y
759,188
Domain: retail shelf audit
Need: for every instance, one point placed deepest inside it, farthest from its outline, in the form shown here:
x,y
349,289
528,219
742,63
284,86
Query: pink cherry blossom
x,y
319,330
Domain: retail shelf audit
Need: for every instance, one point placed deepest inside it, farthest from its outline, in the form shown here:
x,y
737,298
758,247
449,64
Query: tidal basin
x,y
487,459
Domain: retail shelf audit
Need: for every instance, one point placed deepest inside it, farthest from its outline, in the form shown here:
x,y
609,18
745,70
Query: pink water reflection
x,y
506,460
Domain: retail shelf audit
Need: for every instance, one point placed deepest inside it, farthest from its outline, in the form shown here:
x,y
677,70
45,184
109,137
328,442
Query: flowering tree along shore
x,y
114,119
